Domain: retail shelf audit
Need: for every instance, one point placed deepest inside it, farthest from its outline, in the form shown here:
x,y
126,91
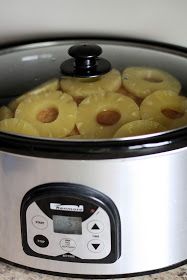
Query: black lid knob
x,y
85,51
85,62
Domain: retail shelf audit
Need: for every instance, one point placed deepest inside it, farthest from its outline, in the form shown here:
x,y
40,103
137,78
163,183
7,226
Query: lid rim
x,y
29,44
92,150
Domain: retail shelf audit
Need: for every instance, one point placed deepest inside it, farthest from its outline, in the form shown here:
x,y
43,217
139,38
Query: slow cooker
x,y
92,208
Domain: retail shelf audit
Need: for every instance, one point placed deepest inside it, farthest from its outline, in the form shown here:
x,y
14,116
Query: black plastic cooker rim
x,y
93,149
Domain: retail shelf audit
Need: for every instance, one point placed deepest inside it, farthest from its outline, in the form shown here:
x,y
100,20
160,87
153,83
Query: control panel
x,y
70,222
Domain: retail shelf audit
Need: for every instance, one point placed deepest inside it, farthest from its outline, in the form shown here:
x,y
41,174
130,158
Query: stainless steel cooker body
x,y
125,199
149,193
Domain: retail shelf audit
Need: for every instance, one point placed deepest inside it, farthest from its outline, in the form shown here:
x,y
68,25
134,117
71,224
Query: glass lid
x,y
93,89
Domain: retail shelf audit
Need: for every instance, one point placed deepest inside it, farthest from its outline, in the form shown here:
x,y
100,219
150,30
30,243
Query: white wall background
x,y
160,20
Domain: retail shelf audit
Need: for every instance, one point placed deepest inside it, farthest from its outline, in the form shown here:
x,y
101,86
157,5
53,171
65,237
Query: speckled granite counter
x,y
8,272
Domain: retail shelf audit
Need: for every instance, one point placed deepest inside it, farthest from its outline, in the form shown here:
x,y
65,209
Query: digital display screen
x,y
67,225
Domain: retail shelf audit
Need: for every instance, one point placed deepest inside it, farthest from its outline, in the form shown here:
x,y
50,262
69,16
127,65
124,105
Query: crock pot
x,y
92,208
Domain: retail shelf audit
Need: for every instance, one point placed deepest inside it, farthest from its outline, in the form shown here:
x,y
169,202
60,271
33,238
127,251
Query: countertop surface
x,y
8,272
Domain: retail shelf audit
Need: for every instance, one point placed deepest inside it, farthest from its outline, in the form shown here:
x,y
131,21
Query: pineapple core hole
x,y
108,117
153,79
172,114
47,115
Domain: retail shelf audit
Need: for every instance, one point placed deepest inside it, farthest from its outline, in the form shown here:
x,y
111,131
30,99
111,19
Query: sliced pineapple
x,y
165,107
53,117
99,116
142,81
48,87
5,113
18,126
81,88
123,91
139,127
74,132
15,102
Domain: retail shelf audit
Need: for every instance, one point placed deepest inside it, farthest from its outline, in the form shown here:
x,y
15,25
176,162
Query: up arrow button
x,y
95,226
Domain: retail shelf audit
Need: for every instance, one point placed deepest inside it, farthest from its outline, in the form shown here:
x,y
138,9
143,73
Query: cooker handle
x,y
85,62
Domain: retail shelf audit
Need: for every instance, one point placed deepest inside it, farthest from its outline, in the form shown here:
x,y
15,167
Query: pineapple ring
x,y
165,107
137,99
48,87
100,116
52,117
139,127
81,88
142,81
5,113
73,132
17,126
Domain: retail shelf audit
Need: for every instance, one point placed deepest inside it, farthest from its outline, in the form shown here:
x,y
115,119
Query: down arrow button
x,y
95,245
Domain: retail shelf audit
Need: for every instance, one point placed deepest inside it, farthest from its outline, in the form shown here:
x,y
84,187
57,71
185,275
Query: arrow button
x,y
95,226
95,245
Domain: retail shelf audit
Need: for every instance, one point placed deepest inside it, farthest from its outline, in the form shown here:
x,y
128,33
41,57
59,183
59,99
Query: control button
x,y
41,241
95,227
39,222
96,246
68,244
